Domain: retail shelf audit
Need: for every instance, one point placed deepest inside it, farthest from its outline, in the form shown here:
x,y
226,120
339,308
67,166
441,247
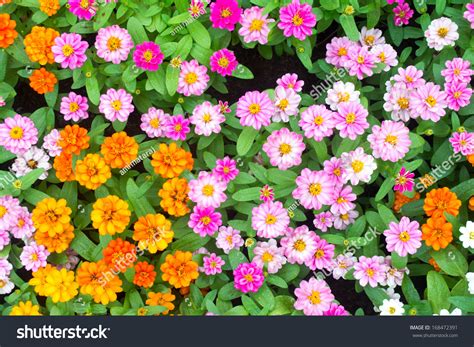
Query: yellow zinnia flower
x,y
51,216
110,215
60,285
25,309
153,232
92,171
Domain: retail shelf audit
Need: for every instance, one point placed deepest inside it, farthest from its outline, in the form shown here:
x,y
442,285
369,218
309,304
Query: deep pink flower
x,y
351,119
225,14
402,13
223,62
469,14
177,127
83,9
204,221
70,51
457,95
290,81
297,20
336,310
248,277
342,200
148,56
462,142
226,169
404,181
266,193
323,221
335,170
74,107
322,256
360,61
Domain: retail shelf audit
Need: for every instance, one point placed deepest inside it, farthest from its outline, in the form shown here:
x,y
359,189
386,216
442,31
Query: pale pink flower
x,y
337,51
323,221
462,142
428,102
370,270
207,190
317,122
269,256
351,119
270,219
207,118
213,264
255,25
313,297
322,257
255,109
404,237
284,148
291,81
299,244
360,62
390,141
286,104
193,78
313,189
228,238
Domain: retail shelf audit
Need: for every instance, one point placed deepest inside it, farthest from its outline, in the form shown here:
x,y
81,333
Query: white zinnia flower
x,y
467,235
391,307
445,312
6,286
371,37
358,166
441,32
342,92
34,158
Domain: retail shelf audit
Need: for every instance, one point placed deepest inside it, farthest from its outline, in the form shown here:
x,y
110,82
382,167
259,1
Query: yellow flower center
x,y
369,40
254,108
350,118
205,220
431,101
148,55
256,25
206,118
32,164
114,43
226,13
319,254
382,57
315,189
178,127
357,166
223,62
267,257
404,236
155,123
271,219
318,120
337,172
314,298
457,94
471,235
342,51
285,148
16,133
68,50
457,72
391,139
403,103
3,211
392,310
116,105
73,107
190,78
442,32
299,245
297,20
208,190
34,257
370,272
84,4
283,104
360,59
248,277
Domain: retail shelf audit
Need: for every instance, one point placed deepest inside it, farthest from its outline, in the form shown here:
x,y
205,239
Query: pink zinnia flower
x,y
341,200
268,255
34,256
457,95
462,142
193,78
5,267
360,61
225,14
18,134
337,51
404,237
270,219
255,109
371,37
469,14
351,119
322,257
248,277
317,122
50,143
4,239
397,101
148,56
10,211
342,221
207,118
70,51
402,14
266,193
404,181
226,169
313,297
428,102
370,270
409,78
207,190
284,148
229,238
255,25
390,141
323,221
74,107
358,166
297,20
204,220
457,70
23,226
385,54
224,107
116,105
342,265
286,104
313,189
196,8
299,244
290,81
113,44
335,170
223,62
213,264
83,9
177,127
336,310
153,122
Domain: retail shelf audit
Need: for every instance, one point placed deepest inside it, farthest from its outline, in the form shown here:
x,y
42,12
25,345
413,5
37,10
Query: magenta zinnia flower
x,y
457,95
177,127
223,62
341,200
18,134
297,20
402,13
255,109
336,310
83,9
462,142
270,219
404,181
225,14
351,119
116,105
70,51
291,81
322,256
404,237
469,14
193,78
335,170
284,148
390,141
313,297
313,189
74,107
226,169
213,264
204,220
113,44
248,277
148,56
266,193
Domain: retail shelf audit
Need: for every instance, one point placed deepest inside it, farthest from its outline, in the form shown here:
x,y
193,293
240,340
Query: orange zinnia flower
x,y
471,203
161,299
38,45
153,232
110,215
51,216
179,269
170,161
92,171
8,34
119,150
437,233
470,159
401,200
63,166
50,7
98,281
144,274
441,200
43,81
119,255
174,197
434,264
73,139
57,243
4,2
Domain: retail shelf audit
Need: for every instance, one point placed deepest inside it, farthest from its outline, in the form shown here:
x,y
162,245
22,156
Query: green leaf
x,y
136,30
398,261
200,34
451,261
376,295
93,90
409,290
228,292
242,72
437,291
30,178
247,194
329,4
276,281
283,305
465,303
245,140
140,204
172,77
386,186
236,258
349,26
83,245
